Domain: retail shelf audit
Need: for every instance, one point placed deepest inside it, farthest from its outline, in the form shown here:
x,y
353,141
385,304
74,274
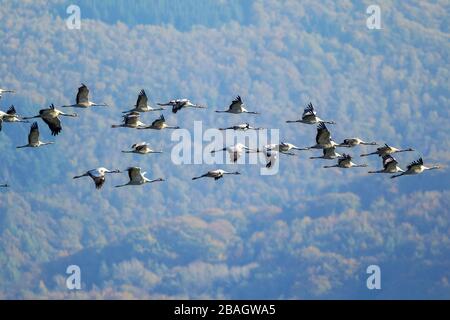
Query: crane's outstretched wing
x,y
33,136
83,94
11,111
99,181
134,173
142,100
131,119
54,124
178,105
418,162
309,110
388,160
158,121
236,103
323,134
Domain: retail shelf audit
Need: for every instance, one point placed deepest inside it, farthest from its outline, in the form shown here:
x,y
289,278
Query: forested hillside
x,y
306,232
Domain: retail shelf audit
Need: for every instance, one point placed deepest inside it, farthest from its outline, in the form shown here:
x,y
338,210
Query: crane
x,y
82,99
136,177
236,107
416,167
309,116
51,117
216,174
33,138
142,104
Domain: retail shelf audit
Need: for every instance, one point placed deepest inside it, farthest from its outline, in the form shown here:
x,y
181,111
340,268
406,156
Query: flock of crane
x,y
131,119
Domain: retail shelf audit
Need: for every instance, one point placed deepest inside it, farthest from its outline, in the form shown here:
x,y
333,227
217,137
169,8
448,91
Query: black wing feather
x,y
54,124
11,111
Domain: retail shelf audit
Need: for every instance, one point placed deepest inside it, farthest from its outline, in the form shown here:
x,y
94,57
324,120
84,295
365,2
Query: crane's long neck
x,y
154,180
231,172
24,146
68,114
334,166
196,106
432,167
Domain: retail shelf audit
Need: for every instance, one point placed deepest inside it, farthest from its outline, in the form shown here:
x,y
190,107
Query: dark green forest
x,y
304,233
